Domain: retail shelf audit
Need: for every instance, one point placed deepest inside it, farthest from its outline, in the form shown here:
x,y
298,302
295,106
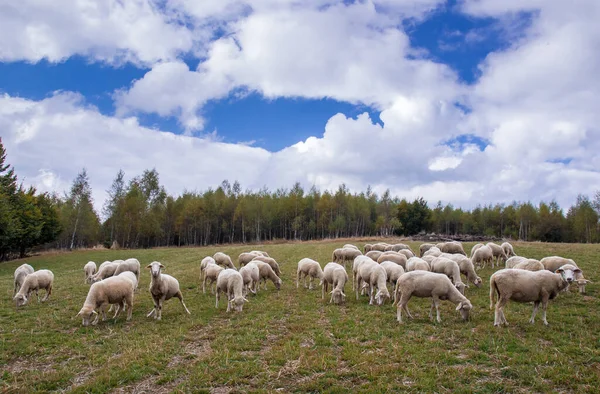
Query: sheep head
x,y
464,307
155,268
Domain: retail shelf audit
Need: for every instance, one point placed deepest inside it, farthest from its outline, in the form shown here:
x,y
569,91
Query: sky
x,y
465,102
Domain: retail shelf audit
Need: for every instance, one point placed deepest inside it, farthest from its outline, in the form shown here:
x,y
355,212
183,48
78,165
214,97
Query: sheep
x,y
260,252
211,272
350,246
482,256
453,247
416,263
373,275
37,280
424,248
429,284
577,275
131,265
530,265
380,246
508,249
205,263
245,258
374,254
368,248
407,253
394,257
434,251
466,267
134,279
429,258
450,268
251,276
514,260
89,270
231,283
162,288
271,261
474,249
308,268
335,275
223,260
393,272
266,272
106,270
336,256
552,263
497,252
526,286
116,290
349,254
399,247
356,265
20,273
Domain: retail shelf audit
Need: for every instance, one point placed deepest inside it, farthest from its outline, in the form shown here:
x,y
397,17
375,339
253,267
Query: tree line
x,y
139,213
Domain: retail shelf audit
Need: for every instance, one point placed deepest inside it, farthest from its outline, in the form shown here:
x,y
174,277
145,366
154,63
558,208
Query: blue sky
x,y
424,97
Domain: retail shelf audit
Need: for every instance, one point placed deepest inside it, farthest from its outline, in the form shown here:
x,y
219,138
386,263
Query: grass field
x,y
291,340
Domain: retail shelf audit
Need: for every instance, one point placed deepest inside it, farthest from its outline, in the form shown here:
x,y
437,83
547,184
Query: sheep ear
x,y
559,271
577,271
149,266
343,295
459,306
466,286
78,314
246,300
94,312
162,266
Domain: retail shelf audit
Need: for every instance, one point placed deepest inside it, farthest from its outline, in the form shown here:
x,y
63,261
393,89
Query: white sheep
x,y
245,258
483,255
474,249
115,290
260,252
204,263
350,246
308,268
131,265
211,272
577,275
337,255
266,272
508,249
162,288
373,275
497,252
251,276
368,248
434,251
37,280
407,253
89,270
231,283
399,247
335,275
429,258
374,254
223,260
450,268
525,286
106,270
453,247
134,279
514,260
424,248
393,271
466,267
394,257
271,261
348,254
20,273
380,246
425,284
356,265
530,265
552,263
416,263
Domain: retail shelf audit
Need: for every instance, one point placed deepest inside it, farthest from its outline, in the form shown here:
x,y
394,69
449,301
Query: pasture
x,y
291,340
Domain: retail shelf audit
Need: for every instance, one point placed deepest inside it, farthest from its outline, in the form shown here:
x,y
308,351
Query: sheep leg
x,y
501,319
371,295
323,290
536,306
161,300
436,302
37,295
358,284
544,307
204,285
48,292
310,282
298,277
217,298
180,296
117,310
129,305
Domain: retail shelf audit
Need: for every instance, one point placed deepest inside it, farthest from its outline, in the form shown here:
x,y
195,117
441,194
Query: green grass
x,y
291,340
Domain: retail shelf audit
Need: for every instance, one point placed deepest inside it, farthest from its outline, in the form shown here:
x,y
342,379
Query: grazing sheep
x,y
417,264
308,268
349,254
162,288
20,273
231,283
130,276
260,252
577,275
335,275
266,272
394,257
525,286
373,275
514,260
251,276
424,248
429,284
474,249
374,254
368,248
116,290
205,263
89,270
350,246
450,268
497,252
434,251
356,265
106,270
337,256
530,265
552,263
466,267
453,247
482,256
399,247
407,253
380,246
508,249
245,258
131,265
37,280
430,258
223,260
271,261
211,272
393,272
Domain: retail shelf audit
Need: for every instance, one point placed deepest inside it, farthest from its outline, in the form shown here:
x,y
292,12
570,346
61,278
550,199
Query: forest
x,y
139,213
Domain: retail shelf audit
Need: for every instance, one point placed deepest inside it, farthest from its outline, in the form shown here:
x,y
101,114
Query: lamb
x,y
393,272
416,263
373,275
482,256
466,267
245,258
89,270
162,288
37,280
349,254
335,275
530,265
453,247
429,284
271,261
205,263
223,260
211,272
394,257
514,260
266,272
308,268
450,268
251,276
356,265
424,248
508,249
525,286
497,252
106,270
131,265
20,273
350,246
116,290
474,249
374,254
231,283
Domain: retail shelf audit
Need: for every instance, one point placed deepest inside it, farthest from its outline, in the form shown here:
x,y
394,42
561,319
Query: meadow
x,y
291,340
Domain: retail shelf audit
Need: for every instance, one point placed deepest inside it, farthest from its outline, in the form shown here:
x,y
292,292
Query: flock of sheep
x,y
436,274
